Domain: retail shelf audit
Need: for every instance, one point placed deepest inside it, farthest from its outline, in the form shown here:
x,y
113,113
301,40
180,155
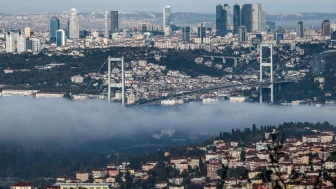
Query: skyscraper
x,y
256,17
73,25
299,29
10,42
228,16
186,33
201,32
54,26
262,20
221,20
326,28
246,14
253,18
114,21
18,38
21,43
236,18
242,34
167,20
107,25
60,37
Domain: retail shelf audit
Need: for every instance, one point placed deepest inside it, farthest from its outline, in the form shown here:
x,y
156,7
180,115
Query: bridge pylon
x,y
266,62
116,85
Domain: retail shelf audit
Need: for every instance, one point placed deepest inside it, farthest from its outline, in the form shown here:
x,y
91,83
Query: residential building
x,y
167,20
82,176
77,79
54,26
114,21
73,25
221,19
84,185
15,42
23,185
212,168
60,38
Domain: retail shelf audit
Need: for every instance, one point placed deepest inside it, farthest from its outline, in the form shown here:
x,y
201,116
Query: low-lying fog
x,y
25,118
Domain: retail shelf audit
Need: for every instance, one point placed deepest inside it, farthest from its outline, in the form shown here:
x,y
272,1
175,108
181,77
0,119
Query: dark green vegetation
x,y
55,159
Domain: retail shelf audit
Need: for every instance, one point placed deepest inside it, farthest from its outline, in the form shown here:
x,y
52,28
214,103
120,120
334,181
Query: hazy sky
x,y
91,119
204,6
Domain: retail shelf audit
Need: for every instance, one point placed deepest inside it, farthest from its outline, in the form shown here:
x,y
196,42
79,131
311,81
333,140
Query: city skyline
x,y
325,6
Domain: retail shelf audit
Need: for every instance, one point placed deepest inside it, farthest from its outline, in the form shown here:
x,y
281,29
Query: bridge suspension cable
x,y
93,79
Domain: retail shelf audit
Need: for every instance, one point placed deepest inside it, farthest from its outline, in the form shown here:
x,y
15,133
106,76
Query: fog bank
x,y
60,119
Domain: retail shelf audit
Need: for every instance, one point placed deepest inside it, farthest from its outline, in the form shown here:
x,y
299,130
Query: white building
x,y
106,25
73,25
256,17
238,99
172,102
167,20
36,44
77,79
210,100
49,95
10,42
84,185
15,37
11,92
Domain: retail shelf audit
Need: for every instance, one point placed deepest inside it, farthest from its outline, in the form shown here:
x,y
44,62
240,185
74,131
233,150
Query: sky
x,y
61,119
199,6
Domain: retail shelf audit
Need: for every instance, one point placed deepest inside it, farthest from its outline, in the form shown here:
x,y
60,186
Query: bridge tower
x,y
266,60
116,85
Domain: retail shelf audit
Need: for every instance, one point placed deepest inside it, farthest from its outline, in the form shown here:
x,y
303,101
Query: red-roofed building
x,y
23,185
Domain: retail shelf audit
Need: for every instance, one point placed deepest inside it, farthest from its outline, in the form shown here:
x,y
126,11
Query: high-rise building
x,y
27,31
253,18
228,17
262,20
15,42
256,17
54,26
299,30
60,38
242,34
21,43
10,42
36,45
201,32
114,21
73,25
236,18
107,25
221,20
326,28
186,33
246,14
167,20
